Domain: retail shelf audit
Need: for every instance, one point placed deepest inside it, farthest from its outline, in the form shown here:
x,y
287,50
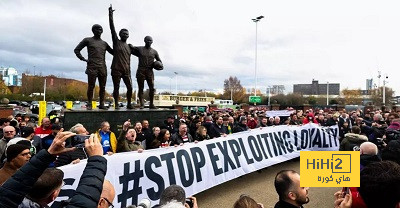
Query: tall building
x,y
277,89
316,89
369,84
10,76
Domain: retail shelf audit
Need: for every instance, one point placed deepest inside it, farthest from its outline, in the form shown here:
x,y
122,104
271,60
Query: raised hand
x,y
58,145
126,125
93,146
110,10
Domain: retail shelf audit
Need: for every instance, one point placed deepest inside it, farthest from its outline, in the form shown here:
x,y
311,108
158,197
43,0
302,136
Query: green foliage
x,y
312,100
333,102
21,97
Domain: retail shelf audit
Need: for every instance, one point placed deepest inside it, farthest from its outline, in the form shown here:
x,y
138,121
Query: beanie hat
x,y
394,126
22,141
14,150
17,140
26,131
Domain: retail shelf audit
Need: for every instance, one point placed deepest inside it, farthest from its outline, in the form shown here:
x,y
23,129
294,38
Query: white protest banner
x,y
279,113
199,166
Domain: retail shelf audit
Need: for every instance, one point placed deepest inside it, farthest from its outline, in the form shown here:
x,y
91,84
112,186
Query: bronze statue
x,y
96,63
146,56
121,63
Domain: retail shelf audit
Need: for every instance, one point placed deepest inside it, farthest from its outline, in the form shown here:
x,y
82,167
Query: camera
x,y
79,140
189,202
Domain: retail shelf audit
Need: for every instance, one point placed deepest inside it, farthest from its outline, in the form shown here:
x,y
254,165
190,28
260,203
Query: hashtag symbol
x,y
124,180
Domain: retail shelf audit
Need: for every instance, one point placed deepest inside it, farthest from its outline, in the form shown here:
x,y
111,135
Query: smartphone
x,y
345,190
79,140
189,202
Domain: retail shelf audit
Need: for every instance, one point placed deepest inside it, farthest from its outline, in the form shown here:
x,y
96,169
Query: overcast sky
x,y
206,41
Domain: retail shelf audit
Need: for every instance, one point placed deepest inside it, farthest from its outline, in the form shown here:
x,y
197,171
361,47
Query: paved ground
x,y
260,186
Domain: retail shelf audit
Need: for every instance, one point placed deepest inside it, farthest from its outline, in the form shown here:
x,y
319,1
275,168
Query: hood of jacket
x,y
27,203
356,137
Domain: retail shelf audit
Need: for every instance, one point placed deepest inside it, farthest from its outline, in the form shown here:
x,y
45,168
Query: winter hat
x,y
14,150
26,131
18,140
394,126
23,141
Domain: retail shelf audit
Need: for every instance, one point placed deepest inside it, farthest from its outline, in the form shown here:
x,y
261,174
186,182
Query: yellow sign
x,y
42,111
68,105
330,169
94,104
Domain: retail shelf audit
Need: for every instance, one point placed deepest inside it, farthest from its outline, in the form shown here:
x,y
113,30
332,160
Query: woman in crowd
x,y
294,120
156,131
162,139
201,134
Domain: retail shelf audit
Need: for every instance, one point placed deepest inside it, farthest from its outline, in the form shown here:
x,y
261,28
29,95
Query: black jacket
x,y
368,159
67,157
13,191
240,128
170,127
91,183
331,122
217,131
208,126
283,204
177,139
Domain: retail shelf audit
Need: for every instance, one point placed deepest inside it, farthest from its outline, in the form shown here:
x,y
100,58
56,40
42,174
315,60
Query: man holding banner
x,y
182,136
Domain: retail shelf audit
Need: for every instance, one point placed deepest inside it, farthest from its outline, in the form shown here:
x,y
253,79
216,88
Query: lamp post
x,y
327,93
384,89
230,87
44,90
170,85
176,83
256,20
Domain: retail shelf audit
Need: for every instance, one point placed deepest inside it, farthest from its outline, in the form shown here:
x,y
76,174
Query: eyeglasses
x,y
8,132
108,201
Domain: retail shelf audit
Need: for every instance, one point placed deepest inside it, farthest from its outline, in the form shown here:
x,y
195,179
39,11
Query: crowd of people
x,y
29,153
